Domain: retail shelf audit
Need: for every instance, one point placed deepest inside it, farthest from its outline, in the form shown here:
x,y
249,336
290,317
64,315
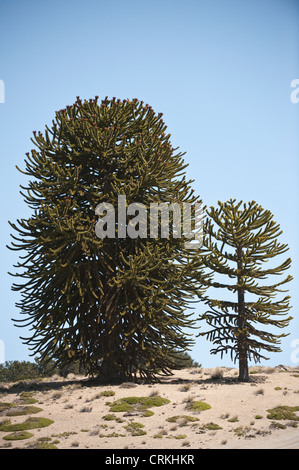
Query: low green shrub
x,y
283,412
211,427
199,406
30,423
174,419
107,393
17,436
25,410
137,404
135,429
6,406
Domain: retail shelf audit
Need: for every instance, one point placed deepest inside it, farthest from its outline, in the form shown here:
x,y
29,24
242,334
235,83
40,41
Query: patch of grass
x,y
30,423
293,424
27,398
107,393
44,439
175,419
119,407
235,419
211,427
18,435
199,406
109,417
45,445
149,402
147,413
137,404
26,410
112,417
6,406
64,434
276,425
283,412
241,431
258,417
277,388
135,429
112,434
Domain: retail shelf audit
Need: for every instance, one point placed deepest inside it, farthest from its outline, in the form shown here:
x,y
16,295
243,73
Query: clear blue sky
x,y
219,70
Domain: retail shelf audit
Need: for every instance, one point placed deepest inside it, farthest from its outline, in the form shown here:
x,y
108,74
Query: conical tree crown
x,y
115,303
239,240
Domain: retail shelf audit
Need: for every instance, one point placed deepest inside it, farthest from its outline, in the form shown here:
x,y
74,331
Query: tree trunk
x,y
111,366
243,369
242,346
110,372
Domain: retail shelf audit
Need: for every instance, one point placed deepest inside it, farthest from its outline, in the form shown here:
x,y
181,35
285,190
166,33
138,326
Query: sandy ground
x,y
237,417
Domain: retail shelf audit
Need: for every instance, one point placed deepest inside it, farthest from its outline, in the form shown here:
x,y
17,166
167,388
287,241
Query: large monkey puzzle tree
x,y
115,304
238,241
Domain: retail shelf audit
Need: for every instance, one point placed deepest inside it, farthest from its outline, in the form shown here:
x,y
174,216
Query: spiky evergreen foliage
x,y
238,241
116,305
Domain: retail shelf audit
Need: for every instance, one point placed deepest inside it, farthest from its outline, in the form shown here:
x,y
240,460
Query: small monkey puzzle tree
x,y
238,241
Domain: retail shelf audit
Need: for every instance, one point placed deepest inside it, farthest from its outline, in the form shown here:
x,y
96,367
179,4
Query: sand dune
x,y
193,409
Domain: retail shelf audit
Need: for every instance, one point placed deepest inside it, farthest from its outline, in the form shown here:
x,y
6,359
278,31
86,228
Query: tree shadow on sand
x,y
50,384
